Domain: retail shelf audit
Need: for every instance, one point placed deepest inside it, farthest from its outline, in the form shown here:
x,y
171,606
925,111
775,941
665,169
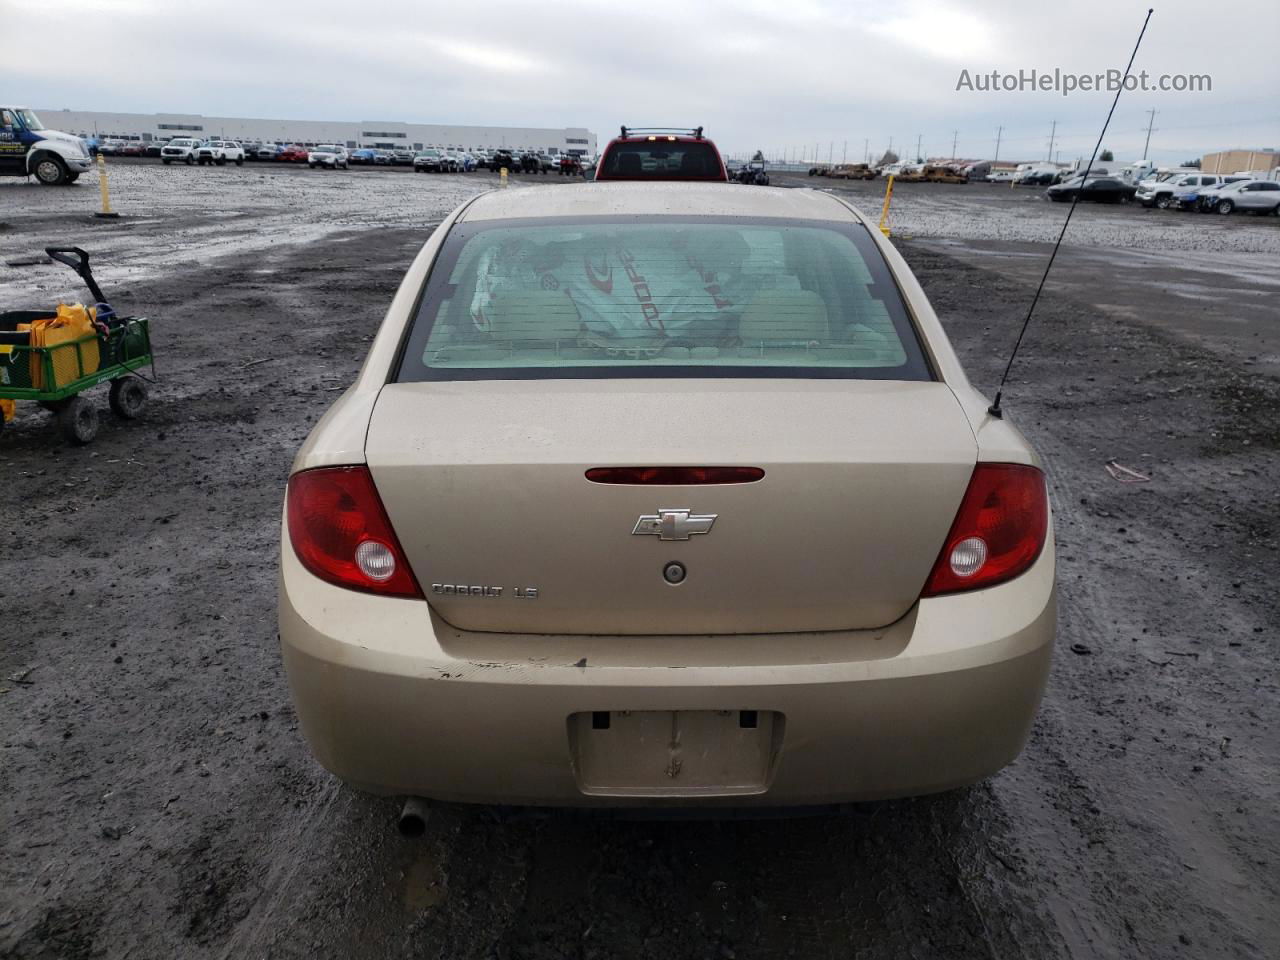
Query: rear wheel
x,y
128,397
51,171
1225,206
78,420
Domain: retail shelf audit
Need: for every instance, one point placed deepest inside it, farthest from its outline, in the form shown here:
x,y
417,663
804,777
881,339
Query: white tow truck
x,y
27,149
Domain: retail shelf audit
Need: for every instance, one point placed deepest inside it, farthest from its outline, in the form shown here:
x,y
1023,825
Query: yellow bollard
x,y
106,192
884,213
502,177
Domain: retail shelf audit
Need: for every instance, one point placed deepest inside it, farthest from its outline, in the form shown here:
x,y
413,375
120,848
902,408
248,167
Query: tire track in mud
x,y
288,851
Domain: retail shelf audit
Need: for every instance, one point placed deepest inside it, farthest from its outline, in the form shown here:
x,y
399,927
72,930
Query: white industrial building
x,y
387,134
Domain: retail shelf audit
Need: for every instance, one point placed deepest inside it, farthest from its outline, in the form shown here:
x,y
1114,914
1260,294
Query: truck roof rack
x,y
695,132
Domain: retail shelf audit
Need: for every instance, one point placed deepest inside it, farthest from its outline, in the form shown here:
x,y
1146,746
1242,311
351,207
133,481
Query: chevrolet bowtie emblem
x,y
674,524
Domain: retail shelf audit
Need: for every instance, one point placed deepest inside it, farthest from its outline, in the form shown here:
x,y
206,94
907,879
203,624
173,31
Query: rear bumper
x,y
393,700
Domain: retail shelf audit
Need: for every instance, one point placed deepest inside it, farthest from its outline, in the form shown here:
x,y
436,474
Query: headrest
x,y
629,163
533,315
785,315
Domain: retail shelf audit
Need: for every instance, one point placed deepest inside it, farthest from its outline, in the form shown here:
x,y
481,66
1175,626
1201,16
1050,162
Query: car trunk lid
x,y
485,483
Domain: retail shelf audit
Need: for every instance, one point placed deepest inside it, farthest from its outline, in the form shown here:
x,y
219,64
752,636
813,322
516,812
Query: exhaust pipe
x,y
413,817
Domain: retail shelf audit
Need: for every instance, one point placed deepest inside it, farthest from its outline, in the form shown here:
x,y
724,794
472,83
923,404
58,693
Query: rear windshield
x,y
662,160
662,296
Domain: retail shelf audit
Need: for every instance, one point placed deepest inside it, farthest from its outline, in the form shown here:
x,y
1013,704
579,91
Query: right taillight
x,y
998,532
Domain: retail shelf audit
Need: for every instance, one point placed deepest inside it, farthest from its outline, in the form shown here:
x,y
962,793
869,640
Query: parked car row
x,y
909,172
1212,193
1203,191
195,150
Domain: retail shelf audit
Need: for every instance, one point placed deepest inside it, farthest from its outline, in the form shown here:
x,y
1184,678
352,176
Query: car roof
x,y
660,138
650,198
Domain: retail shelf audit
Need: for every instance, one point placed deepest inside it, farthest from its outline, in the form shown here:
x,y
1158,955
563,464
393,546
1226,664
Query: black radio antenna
x,y
994,409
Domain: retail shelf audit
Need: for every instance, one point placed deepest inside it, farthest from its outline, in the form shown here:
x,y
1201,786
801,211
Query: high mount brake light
x,y
341,533
998,532
674,476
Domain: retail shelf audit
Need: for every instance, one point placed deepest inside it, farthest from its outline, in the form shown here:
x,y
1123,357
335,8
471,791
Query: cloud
x,y
756,73
947,34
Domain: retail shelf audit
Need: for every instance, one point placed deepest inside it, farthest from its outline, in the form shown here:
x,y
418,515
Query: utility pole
x,y
866,150
955,138
919,137
890,150
815,153
1150,126
831,149
1053,132
844,153
999,133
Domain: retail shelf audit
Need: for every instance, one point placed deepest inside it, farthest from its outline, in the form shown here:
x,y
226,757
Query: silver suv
x,y
1259,196
328,155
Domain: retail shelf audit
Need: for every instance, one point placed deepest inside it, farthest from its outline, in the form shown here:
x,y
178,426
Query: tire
x,y
1225,206
190,159
240,162
128,397
1276,211
51,171
1163,201
166,161
78,421
221,161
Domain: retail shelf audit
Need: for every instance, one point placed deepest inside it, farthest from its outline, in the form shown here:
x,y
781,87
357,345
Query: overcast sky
x,y
781,75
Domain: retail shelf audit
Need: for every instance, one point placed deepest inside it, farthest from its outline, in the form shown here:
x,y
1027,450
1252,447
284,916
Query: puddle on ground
x,y
425,884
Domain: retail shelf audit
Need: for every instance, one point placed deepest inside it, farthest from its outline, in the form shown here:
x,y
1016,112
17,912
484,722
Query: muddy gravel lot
x,y
156,799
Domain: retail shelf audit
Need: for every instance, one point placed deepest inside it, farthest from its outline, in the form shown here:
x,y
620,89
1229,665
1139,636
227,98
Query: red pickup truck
x,y
661,153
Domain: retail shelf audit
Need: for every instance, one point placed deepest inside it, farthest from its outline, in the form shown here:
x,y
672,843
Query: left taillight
x,y
340,532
